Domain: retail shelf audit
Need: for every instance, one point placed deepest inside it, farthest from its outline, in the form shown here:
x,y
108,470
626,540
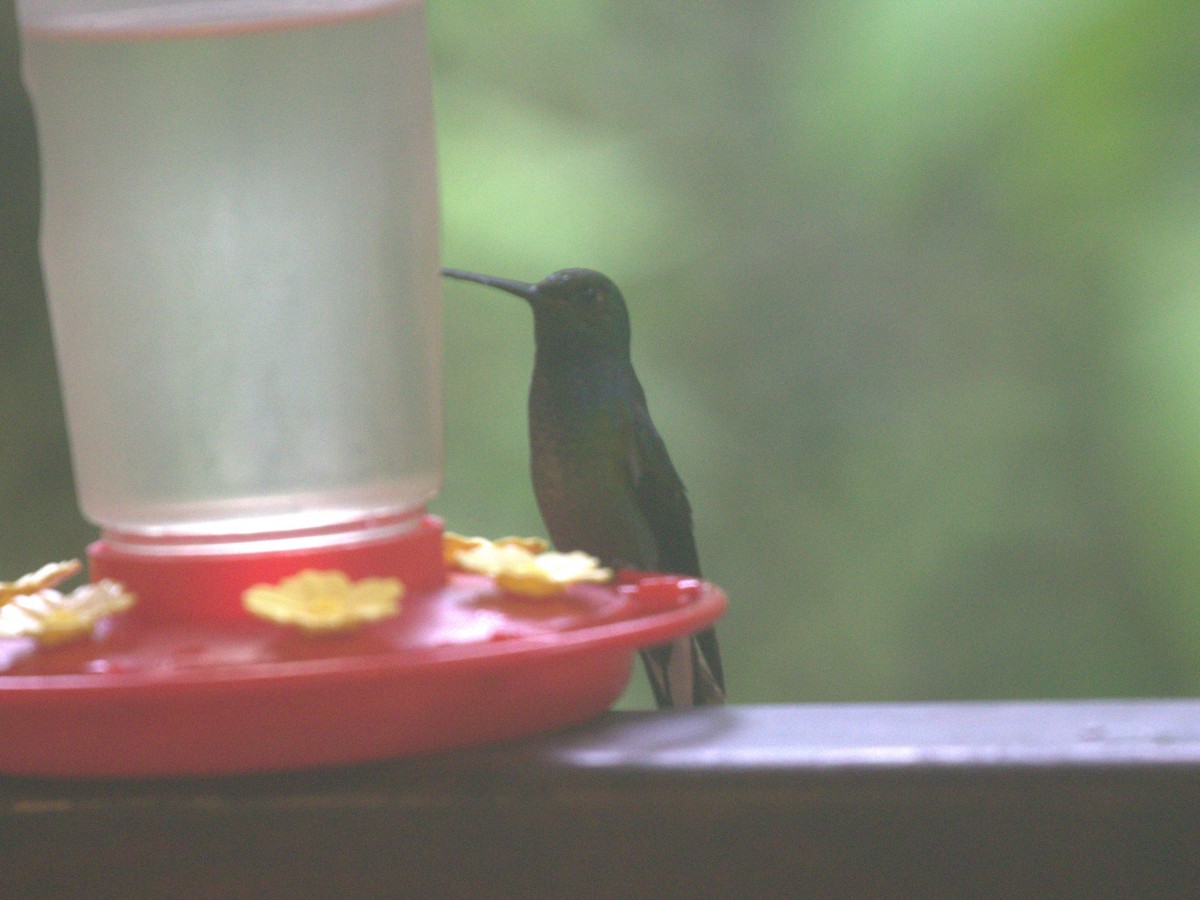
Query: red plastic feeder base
x,y
461,665
188,683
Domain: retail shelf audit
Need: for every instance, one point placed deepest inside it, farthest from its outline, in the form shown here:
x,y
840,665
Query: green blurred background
x,y
916,303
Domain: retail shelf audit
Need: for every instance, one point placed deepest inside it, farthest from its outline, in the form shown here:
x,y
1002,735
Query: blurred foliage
x,y
915,303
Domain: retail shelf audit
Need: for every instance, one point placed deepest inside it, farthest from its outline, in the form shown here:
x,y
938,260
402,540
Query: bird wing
x,y
660,495
689,670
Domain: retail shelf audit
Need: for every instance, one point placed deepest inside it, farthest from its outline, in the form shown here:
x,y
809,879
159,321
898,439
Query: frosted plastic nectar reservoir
x,y
239,240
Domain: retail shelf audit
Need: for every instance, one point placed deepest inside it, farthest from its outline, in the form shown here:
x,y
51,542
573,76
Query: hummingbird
x,y
601,474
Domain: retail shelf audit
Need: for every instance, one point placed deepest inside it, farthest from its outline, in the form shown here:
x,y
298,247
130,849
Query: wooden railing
x,y
1085,799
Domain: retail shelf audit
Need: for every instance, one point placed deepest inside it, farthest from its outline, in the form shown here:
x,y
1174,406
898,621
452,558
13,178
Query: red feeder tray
x,y
157,693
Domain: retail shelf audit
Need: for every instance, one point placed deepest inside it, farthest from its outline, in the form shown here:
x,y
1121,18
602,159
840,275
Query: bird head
x,y
576,311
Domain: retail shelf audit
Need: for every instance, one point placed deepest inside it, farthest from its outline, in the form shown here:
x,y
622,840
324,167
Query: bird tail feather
x,y
682,674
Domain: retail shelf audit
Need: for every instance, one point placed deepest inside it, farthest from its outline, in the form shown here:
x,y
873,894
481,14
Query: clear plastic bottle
x,y
239,238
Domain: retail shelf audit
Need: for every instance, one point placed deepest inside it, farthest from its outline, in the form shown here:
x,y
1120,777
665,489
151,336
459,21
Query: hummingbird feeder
x,y
239,243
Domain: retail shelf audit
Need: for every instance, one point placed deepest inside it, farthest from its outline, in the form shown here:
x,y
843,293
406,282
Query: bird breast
x,y
579,462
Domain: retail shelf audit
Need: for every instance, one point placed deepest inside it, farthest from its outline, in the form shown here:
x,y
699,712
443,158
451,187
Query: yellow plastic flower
x,y
324,601
51,617
524,566
454,544
48,576
550,573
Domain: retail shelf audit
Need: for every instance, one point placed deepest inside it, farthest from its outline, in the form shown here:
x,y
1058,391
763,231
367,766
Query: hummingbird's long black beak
x,y
520,288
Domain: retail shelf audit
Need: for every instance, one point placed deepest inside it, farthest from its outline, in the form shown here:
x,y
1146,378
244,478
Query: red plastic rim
x,y
177,582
